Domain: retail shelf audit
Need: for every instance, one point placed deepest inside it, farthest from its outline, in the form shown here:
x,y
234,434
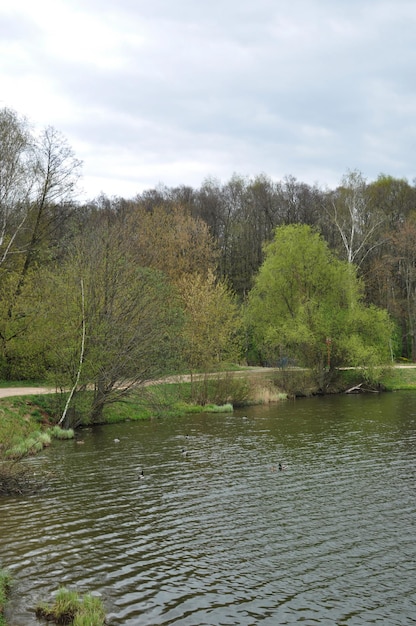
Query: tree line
x,y
116,291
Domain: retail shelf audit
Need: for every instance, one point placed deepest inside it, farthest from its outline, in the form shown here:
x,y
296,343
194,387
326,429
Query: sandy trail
x,y
8,392
24,391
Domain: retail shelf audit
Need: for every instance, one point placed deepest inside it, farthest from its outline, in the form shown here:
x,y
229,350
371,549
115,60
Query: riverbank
x,y
25,410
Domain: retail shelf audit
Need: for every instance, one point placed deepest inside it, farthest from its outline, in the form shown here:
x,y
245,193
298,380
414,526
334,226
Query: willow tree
x,y
306,304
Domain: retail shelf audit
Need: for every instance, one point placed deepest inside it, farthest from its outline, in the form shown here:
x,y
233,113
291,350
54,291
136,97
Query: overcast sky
x,y
176,91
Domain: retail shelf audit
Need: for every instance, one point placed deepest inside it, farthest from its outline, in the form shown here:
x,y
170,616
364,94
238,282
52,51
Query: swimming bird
x,y
281,467
116,440
141,475
184,452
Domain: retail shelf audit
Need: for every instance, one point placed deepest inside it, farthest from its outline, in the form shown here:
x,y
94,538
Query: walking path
x,y
8,392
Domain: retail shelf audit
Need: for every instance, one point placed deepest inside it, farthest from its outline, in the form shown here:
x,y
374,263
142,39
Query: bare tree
x,y
357,223
16,153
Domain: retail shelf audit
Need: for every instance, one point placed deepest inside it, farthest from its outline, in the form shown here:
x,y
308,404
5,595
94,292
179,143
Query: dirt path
x,y
7,392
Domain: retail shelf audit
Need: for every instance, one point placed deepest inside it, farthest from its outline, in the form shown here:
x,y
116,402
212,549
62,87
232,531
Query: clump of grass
x,y
91,612
70,608
45,439
29,446
5,582
62,433
215,408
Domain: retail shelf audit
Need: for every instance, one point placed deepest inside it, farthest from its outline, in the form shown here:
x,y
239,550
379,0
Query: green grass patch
x,y
399,378
5,582
70,608
215,408
29,445
61,433
6,384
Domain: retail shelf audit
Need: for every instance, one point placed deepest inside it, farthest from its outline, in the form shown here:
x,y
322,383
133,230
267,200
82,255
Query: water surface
x,y
220,536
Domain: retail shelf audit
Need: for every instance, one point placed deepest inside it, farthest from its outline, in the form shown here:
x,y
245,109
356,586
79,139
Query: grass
x,y
400,378
5,582
61,433
38,440
70,608
215,408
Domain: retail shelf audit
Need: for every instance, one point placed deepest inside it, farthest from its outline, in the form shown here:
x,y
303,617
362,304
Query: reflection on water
x,y
220,536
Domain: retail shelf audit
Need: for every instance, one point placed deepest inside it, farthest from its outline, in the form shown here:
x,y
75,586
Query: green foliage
x,y
212,329
307,305
131,315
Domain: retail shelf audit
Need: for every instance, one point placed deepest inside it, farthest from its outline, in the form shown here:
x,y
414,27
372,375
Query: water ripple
x,y
221,536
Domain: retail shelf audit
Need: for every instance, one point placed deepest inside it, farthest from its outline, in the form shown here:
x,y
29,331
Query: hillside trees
x,y
170,239
304,298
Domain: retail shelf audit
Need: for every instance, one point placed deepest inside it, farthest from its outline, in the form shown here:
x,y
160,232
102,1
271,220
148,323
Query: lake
x,y
220,536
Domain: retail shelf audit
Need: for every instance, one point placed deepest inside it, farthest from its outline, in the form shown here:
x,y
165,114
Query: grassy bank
x,y
28,417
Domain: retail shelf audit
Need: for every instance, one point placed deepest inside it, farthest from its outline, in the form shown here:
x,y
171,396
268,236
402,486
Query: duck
x,y
141,475
184,452
281,467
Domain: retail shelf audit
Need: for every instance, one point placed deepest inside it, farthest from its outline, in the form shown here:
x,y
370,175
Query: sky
x,y
175,92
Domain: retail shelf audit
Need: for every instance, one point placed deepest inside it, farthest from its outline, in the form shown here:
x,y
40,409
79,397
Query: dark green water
x,y
220,537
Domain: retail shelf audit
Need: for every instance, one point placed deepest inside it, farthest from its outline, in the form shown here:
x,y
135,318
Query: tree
x,y
402,265
38,176
358,226
131,316
15,184
171,240
212,330
305,300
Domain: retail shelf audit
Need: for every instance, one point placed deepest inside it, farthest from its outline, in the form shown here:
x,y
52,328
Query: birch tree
x,y
358,224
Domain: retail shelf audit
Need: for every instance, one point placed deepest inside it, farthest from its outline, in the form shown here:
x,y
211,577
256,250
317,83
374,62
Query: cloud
x,y
176,92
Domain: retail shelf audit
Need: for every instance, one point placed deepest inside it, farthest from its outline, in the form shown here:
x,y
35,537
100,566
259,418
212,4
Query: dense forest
x,y
120,290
